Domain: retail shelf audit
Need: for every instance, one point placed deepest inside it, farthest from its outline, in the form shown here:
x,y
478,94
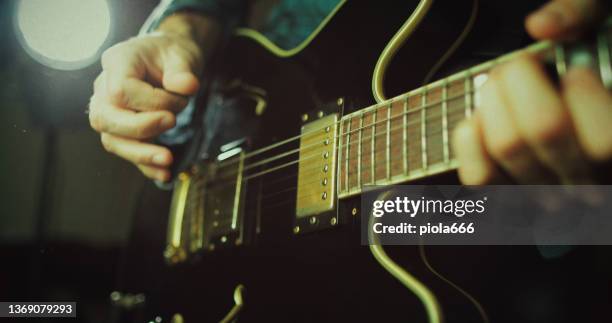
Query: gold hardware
x,y
177,318
174,255
127,301
340,102
237,194
333,221
310,199
232,315
296,229
304,117
222,205
312,220
175,251
354,211
320,114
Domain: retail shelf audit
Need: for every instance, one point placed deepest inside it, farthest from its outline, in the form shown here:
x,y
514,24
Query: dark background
x,y
65,203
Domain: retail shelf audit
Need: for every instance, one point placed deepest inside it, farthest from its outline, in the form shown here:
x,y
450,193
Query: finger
x,y
138,95
137,152
125,88
542,118
590,106
178,74
502,138
121,62
561,19
155,173
105,117
475,165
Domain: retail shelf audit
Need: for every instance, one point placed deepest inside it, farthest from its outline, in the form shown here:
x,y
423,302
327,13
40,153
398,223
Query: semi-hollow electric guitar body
x,y
244,223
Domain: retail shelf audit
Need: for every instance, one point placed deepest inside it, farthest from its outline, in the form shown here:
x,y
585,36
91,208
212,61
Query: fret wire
x,y
560,62
372,148
275,168
388,155
405,136
316,169
348,139
423,129
605,66
340,173
468,94
445,147
418,109
536,48
340,147
359,148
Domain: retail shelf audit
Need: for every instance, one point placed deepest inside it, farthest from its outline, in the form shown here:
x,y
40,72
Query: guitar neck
x,y
408,137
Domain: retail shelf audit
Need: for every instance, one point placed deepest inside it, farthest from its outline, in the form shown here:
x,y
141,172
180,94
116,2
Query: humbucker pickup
x,y
316,190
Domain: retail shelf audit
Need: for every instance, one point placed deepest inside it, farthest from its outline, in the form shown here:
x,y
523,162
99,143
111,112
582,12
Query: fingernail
x,y
167,122
550,15
160,159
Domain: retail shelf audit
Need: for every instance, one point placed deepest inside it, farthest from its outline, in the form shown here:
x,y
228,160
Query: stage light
x,y
63,34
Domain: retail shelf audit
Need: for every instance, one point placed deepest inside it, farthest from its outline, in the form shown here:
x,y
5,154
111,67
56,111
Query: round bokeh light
x,y
64,34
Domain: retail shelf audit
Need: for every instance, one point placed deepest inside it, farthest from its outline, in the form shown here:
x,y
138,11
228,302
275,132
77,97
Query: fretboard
x,y
408,137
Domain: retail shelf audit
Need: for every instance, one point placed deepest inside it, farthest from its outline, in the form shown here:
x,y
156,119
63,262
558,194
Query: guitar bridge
x,y
207,210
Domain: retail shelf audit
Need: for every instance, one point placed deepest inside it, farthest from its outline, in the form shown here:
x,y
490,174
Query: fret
x,y
457,100
360,136
445,143
373,148
341,173
603,54
560,61
468,94
405,136
388,145
348,145
424,128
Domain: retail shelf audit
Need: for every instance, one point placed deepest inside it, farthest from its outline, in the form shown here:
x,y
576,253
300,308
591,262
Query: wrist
x,y
202,30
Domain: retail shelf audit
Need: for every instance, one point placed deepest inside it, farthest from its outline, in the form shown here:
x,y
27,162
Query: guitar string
x,y
412,122
342,146
351,171
376,178
432,156
430,134
376,107
465,77
369,126
291,187
357,185
450,110
377,135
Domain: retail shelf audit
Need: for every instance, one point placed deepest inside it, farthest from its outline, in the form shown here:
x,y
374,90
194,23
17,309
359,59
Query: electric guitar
x,y
264,211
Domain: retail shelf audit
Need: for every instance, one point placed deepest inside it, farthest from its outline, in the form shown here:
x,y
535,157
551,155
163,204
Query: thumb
x,y
562,19
179,76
